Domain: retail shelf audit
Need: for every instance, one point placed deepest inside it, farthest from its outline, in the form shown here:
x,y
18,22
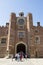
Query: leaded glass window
x,y
21,34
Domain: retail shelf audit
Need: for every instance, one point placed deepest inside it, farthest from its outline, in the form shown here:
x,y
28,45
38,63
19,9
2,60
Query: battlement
x,y
13,15
2,26
7,24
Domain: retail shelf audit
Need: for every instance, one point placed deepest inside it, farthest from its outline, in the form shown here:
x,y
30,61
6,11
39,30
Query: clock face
x,y
21,22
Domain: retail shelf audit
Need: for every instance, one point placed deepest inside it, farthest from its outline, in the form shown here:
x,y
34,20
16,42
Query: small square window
x,y
3,40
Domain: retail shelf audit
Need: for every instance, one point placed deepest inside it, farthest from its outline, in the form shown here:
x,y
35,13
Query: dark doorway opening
x,y
21,47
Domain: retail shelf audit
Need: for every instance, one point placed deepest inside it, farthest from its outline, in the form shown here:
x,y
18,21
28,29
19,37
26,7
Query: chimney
x,y
38,23
7,24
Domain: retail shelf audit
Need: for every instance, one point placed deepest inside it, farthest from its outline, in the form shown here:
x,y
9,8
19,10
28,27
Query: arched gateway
x,y
21,47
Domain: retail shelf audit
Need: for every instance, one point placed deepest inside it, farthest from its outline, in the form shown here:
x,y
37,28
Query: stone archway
x,y
21,46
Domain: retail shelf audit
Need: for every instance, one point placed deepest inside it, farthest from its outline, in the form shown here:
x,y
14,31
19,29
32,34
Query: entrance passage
x,y
21,47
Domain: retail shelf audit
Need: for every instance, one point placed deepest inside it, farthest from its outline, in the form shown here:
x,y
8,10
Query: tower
x,y
11,34
29,21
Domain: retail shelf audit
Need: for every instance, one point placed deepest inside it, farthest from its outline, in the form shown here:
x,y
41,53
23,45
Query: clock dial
x,y
21,22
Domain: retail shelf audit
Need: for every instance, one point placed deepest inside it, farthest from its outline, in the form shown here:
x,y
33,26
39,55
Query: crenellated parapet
x,y
7,24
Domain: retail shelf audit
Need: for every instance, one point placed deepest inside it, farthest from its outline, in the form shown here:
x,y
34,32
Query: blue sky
x,y
33,6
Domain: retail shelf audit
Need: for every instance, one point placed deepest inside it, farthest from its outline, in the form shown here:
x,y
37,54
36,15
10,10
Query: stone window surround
x,y
2,37
21,31
38,38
